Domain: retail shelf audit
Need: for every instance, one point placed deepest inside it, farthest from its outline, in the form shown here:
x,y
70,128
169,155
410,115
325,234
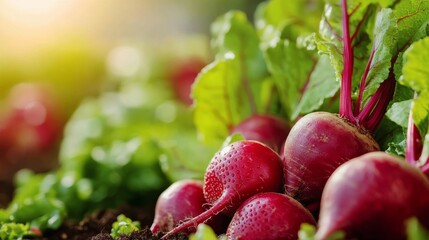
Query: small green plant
x,y
124,226
14,231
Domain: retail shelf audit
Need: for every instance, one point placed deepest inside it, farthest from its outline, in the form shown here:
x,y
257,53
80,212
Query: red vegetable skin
x,y
371,197
317,144
269,216
182,77
321,142
237,172
181,201
32,122
270,130
30,130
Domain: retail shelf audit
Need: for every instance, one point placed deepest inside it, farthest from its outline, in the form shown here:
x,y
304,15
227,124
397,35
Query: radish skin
x,y
181,201
237,172
269,216
371,197
268,129
317,144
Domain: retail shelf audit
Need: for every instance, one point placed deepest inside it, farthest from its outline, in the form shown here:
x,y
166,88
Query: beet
x,y
181,201
268,129
317,144
371,197
320,142
269,216
237,172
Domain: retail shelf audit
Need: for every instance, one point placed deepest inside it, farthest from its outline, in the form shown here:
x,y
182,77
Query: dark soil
x,y
97,226
6,193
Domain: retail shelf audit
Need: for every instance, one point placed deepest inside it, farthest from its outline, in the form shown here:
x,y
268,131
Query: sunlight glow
x,y
31,6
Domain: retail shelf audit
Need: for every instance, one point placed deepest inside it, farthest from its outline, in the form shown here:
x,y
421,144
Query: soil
x,y
6,193
97,226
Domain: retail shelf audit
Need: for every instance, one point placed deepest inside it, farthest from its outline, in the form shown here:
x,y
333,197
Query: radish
x,y
181,201
269,216
320,142
268,129
371,197
321,137
182,75
237,172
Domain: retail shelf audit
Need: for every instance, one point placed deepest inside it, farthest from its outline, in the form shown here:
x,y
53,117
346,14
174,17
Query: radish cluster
x,y
368,197
368,194
327,170
241,181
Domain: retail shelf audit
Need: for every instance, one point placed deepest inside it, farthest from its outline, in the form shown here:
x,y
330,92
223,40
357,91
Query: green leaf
x,y
416,76
123,226
279,14
204,232
284,33
384,47
322,85
387,32
415,231
4,215
290,67
307,232
233,33
14,231
217,99
391,137
231,139
329,39
412,19
184,161
415,71
399,112
235,85
41,211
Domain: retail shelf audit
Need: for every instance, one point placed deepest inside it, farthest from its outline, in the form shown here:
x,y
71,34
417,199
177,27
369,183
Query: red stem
x,y
369,107
388,89
363,82
414,146
203,217
355,9
360,22
346,82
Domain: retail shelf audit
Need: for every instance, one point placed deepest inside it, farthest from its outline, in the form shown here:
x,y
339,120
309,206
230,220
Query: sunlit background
x,y
56,53
34,35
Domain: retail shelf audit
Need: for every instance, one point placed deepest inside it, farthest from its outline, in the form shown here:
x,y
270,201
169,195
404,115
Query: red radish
x,y
30,130
320,142
371,197
270,130
181,201
317,144
268,216
32,122
182,77
237,172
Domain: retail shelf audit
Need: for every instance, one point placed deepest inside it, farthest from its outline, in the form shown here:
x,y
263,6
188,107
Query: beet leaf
x,y
416,76
296,71
365,43
232,87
